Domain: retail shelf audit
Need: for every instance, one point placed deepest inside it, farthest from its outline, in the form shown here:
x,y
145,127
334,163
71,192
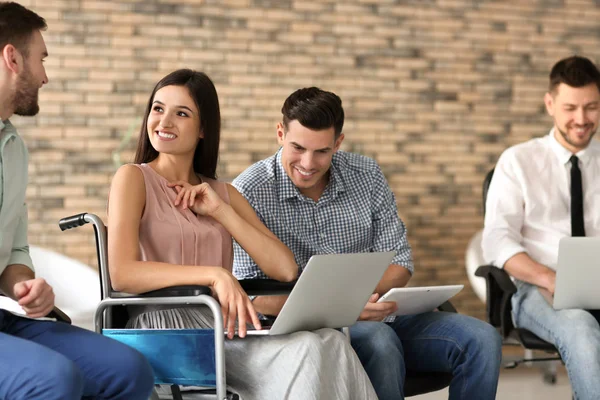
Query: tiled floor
x,y
523,383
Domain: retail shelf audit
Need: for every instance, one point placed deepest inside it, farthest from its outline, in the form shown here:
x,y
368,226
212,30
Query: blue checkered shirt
x,y
356,212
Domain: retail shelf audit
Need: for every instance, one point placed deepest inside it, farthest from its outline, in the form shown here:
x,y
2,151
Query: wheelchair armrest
x,y
266,287
447,307
500,289
177,291
59,315
254,287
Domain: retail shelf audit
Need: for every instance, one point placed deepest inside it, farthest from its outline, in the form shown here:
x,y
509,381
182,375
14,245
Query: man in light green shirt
x,y
41,359
13,211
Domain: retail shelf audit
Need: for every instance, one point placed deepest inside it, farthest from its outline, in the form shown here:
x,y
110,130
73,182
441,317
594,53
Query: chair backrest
x,y
486,187
115,317
498,302
106,291
498,305
101,235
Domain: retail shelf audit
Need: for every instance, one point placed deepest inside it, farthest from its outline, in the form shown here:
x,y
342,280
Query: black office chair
x,y
500,288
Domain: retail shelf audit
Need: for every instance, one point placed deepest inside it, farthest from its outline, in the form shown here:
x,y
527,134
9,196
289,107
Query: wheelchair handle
x,y
72,222
77,220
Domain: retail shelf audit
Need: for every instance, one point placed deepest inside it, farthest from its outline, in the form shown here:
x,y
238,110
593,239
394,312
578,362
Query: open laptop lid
x,y
578,274
331,291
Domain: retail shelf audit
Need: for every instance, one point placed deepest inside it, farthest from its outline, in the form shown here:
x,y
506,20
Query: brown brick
x,y
433,92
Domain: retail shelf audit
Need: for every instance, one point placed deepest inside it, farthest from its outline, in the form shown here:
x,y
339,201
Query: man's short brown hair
x,y
575,71
17,24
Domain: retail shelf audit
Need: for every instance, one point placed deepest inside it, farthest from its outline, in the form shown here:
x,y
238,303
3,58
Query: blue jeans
x,y
575,333
468,348
56,361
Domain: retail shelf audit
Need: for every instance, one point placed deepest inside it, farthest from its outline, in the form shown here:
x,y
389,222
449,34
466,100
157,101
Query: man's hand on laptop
x,y
550,282
269,305
375,311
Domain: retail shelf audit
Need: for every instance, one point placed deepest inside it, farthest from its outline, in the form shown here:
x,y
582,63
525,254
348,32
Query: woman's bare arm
x,y
269,253
129,274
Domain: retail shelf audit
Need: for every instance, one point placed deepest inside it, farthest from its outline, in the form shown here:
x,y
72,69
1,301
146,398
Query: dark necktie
x,y
577,227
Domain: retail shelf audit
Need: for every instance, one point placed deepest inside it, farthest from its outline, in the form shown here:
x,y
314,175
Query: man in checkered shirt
x,y
320,200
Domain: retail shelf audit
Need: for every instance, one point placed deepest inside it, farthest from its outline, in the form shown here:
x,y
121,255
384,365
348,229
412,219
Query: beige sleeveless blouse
x,y
302,365
172,235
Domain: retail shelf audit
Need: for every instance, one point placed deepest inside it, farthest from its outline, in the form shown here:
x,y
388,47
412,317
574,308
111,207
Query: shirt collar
x,y
7,131
564,155
286,188
336,177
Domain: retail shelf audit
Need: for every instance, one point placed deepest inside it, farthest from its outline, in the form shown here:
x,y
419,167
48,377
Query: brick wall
x,y
433,90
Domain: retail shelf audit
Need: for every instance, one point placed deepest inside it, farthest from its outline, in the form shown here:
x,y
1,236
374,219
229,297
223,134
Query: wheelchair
x,y
187,357
193,358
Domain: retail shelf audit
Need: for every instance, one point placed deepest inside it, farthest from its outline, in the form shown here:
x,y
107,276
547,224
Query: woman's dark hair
x,y
315,109
17,24
204,94
574,71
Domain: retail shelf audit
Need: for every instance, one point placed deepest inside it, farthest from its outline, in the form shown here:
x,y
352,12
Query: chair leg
x,y
176,392
550,372
528,356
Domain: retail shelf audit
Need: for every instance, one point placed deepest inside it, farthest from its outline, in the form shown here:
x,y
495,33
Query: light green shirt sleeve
x,y
14,246
20,249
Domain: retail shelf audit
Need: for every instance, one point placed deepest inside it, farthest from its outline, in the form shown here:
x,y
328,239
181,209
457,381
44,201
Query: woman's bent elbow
x,y
290,276
119,283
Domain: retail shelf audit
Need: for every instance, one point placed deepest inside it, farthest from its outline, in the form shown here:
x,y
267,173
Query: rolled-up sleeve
x,y
20,248
389,232
502,238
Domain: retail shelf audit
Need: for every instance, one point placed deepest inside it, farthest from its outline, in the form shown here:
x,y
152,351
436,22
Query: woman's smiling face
x,y
174,121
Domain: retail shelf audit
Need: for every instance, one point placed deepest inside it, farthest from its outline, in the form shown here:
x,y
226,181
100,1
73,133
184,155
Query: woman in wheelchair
x,y
171,223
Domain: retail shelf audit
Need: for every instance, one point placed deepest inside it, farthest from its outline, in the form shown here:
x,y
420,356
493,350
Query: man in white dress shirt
x,y
543,190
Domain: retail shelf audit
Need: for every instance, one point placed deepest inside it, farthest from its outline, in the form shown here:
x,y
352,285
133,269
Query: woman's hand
x,y
201,199
234,304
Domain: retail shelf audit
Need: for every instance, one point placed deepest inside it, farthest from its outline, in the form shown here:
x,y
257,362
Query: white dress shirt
x,y
528,207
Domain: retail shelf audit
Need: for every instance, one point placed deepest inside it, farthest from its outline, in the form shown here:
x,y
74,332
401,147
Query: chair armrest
x,y
447,307
266,287
117,316
500,289
500,276
59,315
178,291
253,287
256,287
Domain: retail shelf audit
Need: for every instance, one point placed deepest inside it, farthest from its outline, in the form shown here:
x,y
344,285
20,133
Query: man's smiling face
x,y
306,156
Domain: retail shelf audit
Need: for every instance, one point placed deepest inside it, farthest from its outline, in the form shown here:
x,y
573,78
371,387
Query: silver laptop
x,y
330,293
578,274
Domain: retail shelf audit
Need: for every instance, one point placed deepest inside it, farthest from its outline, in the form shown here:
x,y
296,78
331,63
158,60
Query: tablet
x,y
416,300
